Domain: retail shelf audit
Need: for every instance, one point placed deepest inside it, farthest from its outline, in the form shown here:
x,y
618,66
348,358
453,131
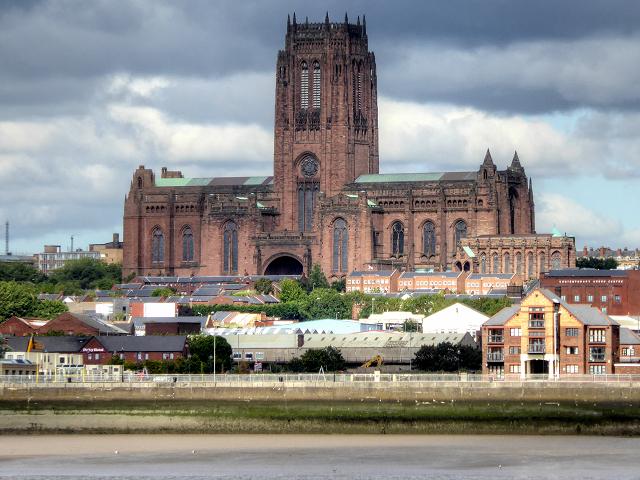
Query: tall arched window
x,y
513,208
316,84
461,231
483,264
543,263
304,86
556,261
187,245
496,263
531,266
230,240
397,239
507,263
357,86
340,246
157,246
429,239
518,263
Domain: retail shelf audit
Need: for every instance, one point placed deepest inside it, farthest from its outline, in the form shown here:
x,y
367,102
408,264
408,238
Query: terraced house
x,y
547,336
326,201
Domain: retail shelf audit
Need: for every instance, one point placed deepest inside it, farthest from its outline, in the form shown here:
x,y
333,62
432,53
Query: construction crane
x,y
377,360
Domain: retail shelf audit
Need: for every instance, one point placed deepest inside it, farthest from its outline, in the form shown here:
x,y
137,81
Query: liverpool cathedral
x,y
327,202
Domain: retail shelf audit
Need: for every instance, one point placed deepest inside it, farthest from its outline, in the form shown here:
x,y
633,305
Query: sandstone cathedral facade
x,y
326,202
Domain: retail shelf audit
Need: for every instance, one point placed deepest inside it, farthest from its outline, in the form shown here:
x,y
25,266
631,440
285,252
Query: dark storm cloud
x,y
70,40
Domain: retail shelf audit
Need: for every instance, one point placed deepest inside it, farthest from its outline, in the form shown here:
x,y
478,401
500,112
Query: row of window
x,y
248,356
589,298
593,369
517,266
230,246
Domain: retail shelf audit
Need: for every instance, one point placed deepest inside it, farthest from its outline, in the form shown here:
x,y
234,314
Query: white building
x,y
457,318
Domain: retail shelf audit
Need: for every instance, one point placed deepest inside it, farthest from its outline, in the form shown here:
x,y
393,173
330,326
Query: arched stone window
x,y
531,265
507,263
460,231
187,245
340,246
543,263
429,239
316,84
139,182
483,264
556,261
230,241
519,268
397,239
157,246
304,86
496,263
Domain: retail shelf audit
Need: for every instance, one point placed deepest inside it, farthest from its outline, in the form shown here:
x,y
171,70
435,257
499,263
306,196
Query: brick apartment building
x,y
326,201
450,281
99,350
544,334
615,292
373,281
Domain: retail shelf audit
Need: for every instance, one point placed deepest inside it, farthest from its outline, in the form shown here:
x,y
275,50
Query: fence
x,y
300,379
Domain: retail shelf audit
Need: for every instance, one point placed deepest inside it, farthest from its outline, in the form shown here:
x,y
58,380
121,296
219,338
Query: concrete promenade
x,y
413,388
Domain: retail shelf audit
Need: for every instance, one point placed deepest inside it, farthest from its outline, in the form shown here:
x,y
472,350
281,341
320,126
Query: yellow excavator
x,y
375,361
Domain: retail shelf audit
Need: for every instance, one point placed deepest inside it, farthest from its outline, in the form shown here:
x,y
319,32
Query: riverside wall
x,y
619,392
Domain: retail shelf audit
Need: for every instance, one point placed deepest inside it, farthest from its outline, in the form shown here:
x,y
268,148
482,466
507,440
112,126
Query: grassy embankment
x,y
319,417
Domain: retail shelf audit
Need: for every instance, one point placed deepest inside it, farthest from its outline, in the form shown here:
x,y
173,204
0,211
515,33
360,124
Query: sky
x,y
91,90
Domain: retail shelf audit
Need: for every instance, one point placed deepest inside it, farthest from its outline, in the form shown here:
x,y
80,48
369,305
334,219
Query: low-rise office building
x,y
485,284
456,318
615,292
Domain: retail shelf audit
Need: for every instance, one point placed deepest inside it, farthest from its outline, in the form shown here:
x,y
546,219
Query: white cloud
x,y
592,228
436,137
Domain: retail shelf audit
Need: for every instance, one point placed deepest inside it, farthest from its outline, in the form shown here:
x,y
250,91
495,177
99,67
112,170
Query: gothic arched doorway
x,y
284,265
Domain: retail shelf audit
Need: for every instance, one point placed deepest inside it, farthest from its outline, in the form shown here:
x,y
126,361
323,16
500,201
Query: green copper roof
x,y
416,177
555,232
182,182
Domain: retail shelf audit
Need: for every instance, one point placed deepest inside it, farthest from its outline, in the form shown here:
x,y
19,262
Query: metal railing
x,y
495,356
496,339
292,379
537,348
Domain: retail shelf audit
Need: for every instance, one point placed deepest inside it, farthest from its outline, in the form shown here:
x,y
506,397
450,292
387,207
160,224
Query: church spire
x,y
488,161
515,163
346,18
364,25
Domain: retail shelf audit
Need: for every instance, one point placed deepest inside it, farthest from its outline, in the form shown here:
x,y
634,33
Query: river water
x,y
465,457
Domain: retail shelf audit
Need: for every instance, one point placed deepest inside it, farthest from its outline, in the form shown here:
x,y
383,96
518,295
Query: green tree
x,y
411,326
264,286
291,291
326,303
317,278
202,349
488,306
88,273
470,358
3,346
339,285
597,263
438,358
163,292
49,309
20,272
329,358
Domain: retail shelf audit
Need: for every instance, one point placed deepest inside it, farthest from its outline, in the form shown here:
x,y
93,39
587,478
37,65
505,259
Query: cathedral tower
x,y
326,116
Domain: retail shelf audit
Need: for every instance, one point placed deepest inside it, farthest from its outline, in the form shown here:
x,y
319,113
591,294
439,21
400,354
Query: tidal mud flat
x,y
443,457
319,417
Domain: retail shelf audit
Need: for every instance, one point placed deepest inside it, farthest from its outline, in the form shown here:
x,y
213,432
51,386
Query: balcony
x,y
496,339
536,323
493,356
596,358
537,348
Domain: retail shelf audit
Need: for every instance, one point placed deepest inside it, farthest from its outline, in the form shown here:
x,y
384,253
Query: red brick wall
x,y
69,325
